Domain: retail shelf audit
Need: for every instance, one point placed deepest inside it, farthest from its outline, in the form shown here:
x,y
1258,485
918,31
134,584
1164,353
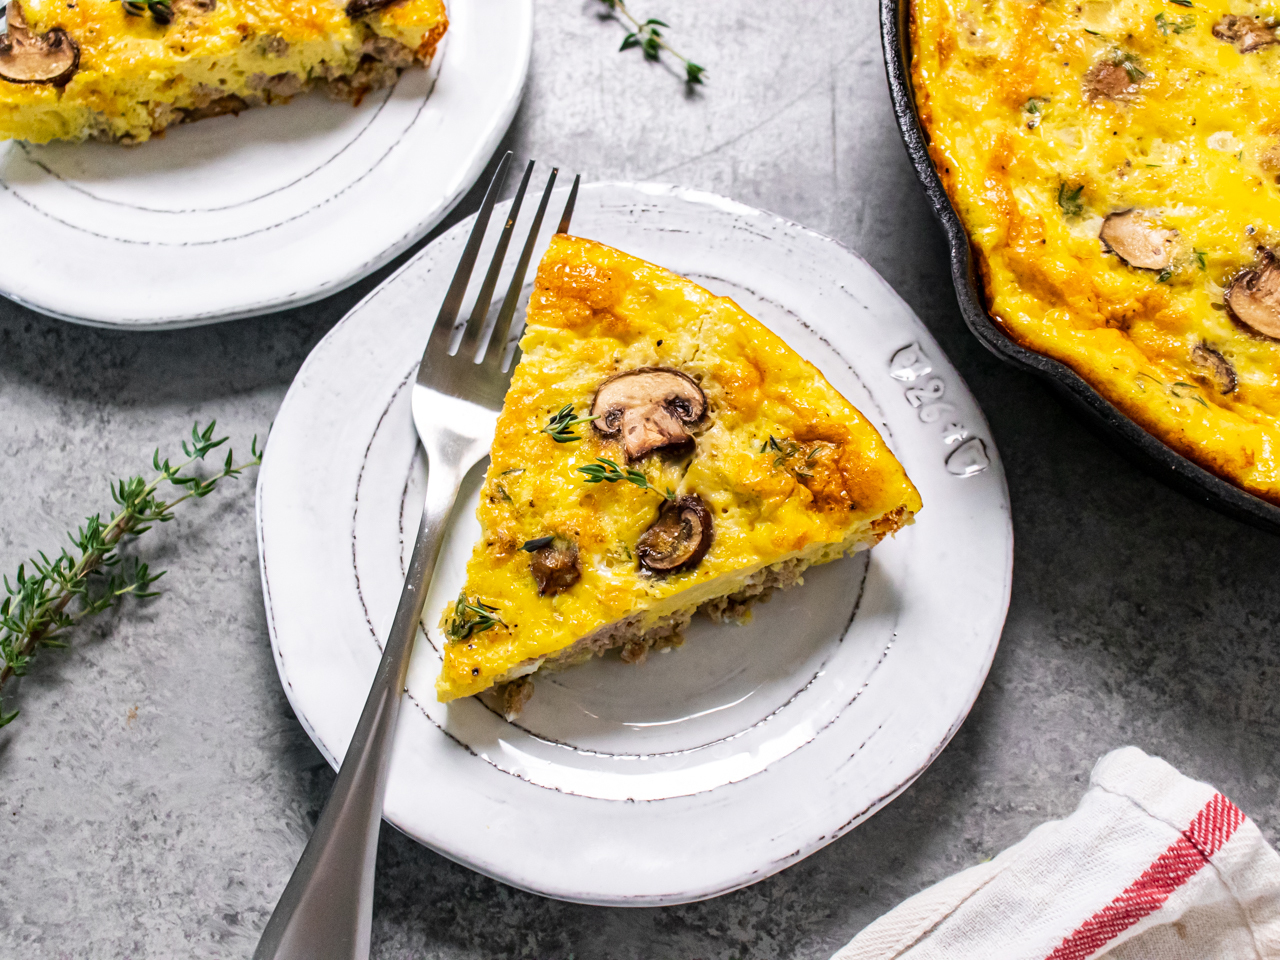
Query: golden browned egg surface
x,y
139,71
783,465
1115,164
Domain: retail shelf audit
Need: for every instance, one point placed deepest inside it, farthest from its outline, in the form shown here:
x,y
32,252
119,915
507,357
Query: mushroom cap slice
x,y
1216,367
555,567
1246,33
1108,80
679,538
650,407
359,8
1136,241
25,57
1253,298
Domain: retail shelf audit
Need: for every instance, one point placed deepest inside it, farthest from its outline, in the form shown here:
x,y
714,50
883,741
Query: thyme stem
x,y
651,42
35,611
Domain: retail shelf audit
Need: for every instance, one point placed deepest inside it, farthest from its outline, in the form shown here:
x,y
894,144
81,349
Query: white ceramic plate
x,y
280,206
708,767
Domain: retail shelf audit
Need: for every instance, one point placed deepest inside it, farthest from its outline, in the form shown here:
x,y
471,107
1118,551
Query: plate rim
x,y
527,883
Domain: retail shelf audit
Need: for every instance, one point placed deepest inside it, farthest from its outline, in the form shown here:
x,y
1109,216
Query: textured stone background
x,y
157,790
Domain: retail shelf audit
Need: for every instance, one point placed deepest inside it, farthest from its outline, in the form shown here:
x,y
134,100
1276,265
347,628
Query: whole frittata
x,y
1116,164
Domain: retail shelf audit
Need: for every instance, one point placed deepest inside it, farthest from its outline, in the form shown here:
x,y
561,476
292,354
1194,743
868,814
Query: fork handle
x,y
326,910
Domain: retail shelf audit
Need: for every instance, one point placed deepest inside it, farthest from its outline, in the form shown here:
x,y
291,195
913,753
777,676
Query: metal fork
x,y
326,910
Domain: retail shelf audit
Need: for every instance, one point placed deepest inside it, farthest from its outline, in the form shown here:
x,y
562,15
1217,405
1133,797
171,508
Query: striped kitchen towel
x,y
1151,866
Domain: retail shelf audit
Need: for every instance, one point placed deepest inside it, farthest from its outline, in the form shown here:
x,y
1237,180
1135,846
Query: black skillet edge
x,y
1117,429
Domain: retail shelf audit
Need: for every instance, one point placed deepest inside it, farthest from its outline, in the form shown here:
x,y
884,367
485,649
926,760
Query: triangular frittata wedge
x,y
721,465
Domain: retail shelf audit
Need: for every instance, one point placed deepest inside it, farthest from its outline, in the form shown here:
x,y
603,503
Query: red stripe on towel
x,y
1211,828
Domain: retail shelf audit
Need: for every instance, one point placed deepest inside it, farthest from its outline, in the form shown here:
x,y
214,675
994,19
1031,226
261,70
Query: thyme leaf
x,y
605,470
49,596
1130,63
470,618
560,427
1190,386
161,10
1179,25
1069,199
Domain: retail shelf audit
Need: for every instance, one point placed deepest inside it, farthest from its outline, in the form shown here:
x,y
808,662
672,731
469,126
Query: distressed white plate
x,y
280,206
708,767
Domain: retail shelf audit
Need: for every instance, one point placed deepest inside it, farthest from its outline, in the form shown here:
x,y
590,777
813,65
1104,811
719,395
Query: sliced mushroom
x,y
679,538
1246,33
650,407
1216,367
553,561
1109,80
1253,298
25,57
358,8
1269,159
1136,241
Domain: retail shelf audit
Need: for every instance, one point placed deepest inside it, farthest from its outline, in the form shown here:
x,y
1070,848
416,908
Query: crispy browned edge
x,y
1176,441
427,49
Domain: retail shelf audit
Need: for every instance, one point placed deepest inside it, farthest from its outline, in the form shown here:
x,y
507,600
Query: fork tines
x,y
473,340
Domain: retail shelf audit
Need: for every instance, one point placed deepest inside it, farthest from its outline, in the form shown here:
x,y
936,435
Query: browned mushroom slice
x,y
25,57
679,538
651,407
1136,241
358,8
1253,298
1216,367
1112,80
1246,33
553,561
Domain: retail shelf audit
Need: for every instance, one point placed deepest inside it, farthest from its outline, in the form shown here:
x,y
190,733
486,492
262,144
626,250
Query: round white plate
x,y
279,206
708,767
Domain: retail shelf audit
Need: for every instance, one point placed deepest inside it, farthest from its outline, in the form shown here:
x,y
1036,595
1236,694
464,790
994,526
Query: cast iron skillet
x,y
1129,438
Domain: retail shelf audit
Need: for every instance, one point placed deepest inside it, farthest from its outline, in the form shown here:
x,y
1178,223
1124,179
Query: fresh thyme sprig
x,y
469,618
648,37
47,597
607,471
560,427
161,10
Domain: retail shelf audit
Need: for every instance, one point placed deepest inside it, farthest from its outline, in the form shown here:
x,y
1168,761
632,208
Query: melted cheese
x,y
596,312
134,73
1033,163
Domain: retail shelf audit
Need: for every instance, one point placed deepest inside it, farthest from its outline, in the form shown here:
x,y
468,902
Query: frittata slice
x,y
659,452
124,71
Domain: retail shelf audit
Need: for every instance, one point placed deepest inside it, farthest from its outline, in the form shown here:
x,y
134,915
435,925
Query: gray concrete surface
x,y
157,790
